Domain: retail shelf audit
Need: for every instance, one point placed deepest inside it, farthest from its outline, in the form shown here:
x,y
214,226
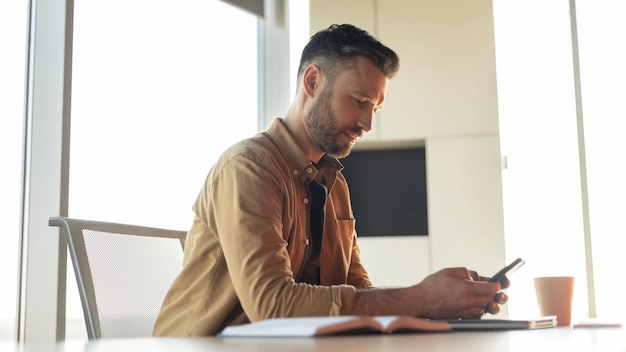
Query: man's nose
x,y
365,121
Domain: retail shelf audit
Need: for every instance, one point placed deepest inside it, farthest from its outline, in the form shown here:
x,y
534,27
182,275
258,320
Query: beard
x,y
323,130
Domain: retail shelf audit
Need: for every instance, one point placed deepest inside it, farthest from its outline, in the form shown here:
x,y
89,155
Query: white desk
x,y
554,340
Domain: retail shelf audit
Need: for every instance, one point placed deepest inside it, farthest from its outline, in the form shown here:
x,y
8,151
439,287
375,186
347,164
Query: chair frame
x,y
72,228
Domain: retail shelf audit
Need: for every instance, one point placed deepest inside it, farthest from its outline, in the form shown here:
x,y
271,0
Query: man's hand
x,y
459,293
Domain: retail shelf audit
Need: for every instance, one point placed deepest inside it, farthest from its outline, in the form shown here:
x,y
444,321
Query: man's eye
x,y
364,101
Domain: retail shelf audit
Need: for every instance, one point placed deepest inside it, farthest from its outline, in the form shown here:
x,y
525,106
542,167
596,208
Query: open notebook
x,y
346,325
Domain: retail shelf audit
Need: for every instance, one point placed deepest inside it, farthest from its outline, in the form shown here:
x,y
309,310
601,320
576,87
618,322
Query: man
x,y
274,234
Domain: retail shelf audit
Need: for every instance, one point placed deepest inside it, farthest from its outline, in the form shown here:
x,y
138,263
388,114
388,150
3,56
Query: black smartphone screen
x,y
509,269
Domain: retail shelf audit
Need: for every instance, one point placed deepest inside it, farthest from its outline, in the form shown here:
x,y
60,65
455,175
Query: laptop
x,y
503,324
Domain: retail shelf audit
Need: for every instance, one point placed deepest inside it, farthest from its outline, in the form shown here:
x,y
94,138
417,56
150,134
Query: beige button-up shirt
x,y
249,240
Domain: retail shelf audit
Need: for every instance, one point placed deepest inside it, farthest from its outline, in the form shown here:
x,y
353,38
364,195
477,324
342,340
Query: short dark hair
x,y
334,47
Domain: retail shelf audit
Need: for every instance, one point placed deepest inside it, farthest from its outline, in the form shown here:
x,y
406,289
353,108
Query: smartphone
x,y
507,270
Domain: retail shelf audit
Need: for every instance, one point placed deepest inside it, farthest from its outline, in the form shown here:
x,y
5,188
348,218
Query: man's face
x,y
343,112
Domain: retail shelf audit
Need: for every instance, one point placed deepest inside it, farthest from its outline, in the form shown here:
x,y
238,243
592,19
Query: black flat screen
x,y
388,191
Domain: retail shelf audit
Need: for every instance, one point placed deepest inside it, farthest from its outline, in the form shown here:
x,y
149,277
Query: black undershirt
x,y
319,192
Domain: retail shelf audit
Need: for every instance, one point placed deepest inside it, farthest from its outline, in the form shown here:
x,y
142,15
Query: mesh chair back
x,y
123,273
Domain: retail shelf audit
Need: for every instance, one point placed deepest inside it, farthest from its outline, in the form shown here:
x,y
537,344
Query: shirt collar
x,y
299,163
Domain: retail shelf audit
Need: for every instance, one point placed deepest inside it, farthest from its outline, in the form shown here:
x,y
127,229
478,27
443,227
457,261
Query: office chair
x,y
122,272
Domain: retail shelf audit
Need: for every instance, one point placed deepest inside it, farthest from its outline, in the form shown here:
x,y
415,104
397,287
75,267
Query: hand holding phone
x,y
507,270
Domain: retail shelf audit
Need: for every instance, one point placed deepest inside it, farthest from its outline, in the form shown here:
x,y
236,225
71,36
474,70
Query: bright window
x,y
601,30
542,188
159,90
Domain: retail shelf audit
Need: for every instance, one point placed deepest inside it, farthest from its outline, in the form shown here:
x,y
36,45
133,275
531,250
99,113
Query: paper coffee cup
x,y
554,297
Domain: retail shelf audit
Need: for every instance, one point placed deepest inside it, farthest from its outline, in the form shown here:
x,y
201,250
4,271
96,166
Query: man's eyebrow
x,y
365,97
362,95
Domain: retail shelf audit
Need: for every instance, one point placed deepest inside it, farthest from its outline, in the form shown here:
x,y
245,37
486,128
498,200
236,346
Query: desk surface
x,y
562,339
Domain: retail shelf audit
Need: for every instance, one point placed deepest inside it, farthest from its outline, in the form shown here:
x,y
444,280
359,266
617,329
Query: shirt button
x,y
295,172
306,200
309,170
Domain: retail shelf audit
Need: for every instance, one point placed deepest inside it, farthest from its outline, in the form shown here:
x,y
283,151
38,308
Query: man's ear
x,y
312,80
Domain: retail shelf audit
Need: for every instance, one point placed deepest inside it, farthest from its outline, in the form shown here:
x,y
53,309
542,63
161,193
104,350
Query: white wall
x,y
445,96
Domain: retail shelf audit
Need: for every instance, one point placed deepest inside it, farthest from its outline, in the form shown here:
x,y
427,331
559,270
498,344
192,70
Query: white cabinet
x,y
447,80
395,261
465,203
